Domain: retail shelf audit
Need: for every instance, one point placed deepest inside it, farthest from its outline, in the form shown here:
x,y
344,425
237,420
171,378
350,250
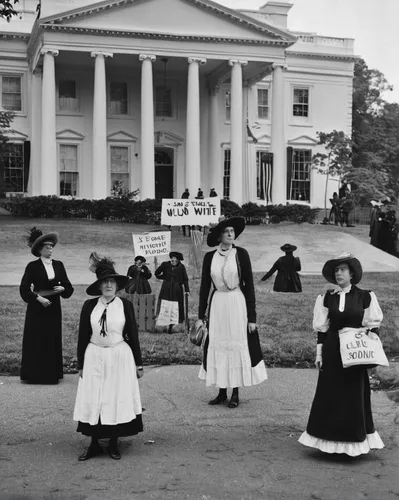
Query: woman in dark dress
x,y
174,276
232,354
287,267
139,274
108,401
43,284
341,420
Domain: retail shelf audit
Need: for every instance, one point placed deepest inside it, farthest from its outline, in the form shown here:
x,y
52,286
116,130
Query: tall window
x,y
11,97
13,161
119,169
300,175
163,102
301,102
227,105
226,174
263,104
67,95
69,175
118,98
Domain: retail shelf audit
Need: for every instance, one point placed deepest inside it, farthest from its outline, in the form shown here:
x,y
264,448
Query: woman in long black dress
x,y
174,276
341,420
287,267
43,284
139,274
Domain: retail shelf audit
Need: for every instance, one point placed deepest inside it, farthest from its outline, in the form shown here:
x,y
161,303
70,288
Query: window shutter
x,y
26,152
289,171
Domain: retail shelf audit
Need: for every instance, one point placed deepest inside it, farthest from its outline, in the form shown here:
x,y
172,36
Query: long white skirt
x,y
228,360
109,388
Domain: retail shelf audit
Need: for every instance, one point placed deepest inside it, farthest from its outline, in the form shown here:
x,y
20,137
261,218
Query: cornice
x,y
14,36
163,36
315,55
217,9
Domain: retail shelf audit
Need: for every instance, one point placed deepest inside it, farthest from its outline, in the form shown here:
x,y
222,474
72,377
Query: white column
x,y
100,175
236,132
192,159
215,156
279,188
147,185
35,98
49,170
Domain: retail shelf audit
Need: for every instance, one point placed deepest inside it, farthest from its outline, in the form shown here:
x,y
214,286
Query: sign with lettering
x,y
361,347
178,212
152,244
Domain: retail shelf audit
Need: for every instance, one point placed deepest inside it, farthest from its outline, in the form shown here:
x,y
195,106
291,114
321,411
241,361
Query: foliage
x,y
7,10
375,134
123,208
337,158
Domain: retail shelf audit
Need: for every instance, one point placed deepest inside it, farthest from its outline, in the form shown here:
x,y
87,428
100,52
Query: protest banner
x,y
178,212
151,244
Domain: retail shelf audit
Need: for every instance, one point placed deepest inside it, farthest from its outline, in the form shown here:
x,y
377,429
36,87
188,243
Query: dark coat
x,y
42,338
287,279
139,282
130,332
174,277
247,287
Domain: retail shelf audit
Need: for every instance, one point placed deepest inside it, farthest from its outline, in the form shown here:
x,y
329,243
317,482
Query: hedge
x,y
146,211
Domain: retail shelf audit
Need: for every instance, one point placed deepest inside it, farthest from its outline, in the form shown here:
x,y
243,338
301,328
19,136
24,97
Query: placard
x,y
181,212
151,244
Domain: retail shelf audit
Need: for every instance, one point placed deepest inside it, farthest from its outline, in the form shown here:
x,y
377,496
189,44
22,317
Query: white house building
x,y
163,95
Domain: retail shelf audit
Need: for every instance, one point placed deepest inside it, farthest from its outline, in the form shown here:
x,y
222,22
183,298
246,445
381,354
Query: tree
x,y
7,10
337,159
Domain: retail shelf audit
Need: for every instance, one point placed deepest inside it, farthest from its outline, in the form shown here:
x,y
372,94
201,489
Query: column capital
x,y
52,52
232,62
282,65
200,60
147,57
96,53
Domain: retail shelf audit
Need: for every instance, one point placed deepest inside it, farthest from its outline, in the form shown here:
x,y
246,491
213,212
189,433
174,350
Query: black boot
x,y
234,401
113,449
220,398
93,450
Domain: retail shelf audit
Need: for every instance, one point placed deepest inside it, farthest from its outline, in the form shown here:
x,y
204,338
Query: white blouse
x,y
114,324
372,317
48,266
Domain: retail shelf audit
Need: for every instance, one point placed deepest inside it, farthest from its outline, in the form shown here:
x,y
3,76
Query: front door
x,y
163,172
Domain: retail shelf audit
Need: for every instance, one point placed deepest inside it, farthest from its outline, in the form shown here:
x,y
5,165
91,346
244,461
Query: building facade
x,y
163,95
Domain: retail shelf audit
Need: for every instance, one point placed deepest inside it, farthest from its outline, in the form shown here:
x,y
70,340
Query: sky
x,y
372,23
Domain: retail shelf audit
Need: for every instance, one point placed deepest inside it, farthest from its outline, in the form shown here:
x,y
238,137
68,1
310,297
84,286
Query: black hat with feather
x,y
36,239
104,268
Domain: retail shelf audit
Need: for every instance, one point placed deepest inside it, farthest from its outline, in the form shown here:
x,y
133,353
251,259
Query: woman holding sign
x,y
340,420
170,309
232,354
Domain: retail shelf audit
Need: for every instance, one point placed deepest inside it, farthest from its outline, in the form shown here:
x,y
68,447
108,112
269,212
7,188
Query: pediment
x,y
165,137
15,135
264,139
303,140
193,18
70,135
121,136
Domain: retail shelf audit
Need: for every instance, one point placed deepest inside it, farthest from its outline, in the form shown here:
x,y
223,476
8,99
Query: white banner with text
x,y
151,244
178,212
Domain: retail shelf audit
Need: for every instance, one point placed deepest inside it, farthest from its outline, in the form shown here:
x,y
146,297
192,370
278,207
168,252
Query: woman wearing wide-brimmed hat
x,y
139,274
340,419
287,267
43,284
232,356
108,401
174,276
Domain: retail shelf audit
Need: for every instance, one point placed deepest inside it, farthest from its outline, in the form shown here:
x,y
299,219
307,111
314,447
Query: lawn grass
x,y
285,325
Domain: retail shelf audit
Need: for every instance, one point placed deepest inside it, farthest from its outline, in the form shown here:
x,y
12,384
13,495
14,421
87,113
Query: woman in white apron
x,y
232,355
108,401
